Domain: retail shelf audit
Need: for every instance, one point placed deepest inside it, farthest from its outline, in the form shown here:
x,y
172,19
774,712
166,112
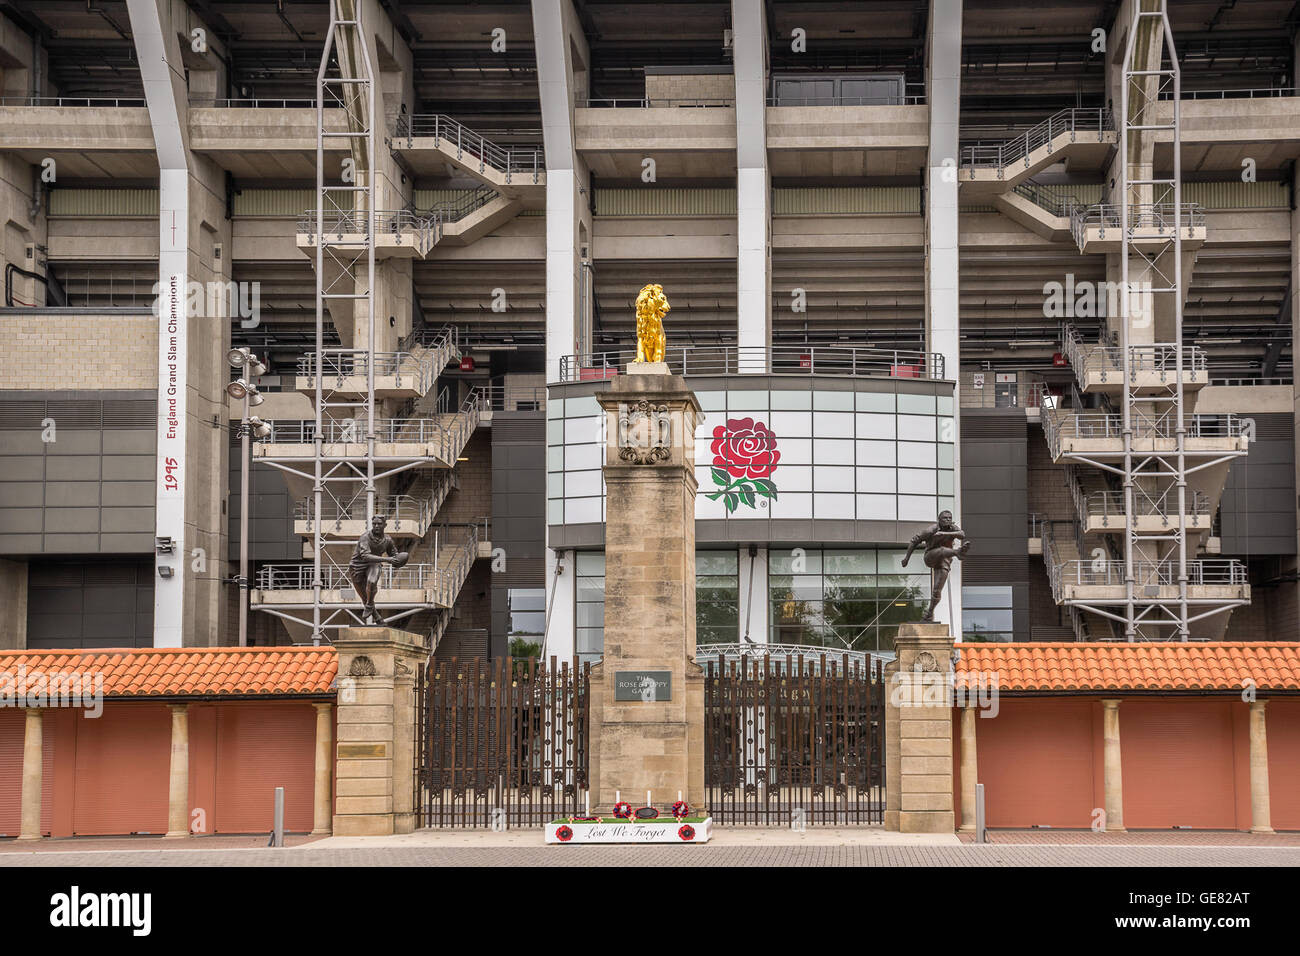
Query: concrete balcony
x,y
433,441
1150,226
437,145
265,139
847,140
398,233
1103,511
1081,138
1220,128
88,138
1209,581
1153,369
396,374
615,136
1100,435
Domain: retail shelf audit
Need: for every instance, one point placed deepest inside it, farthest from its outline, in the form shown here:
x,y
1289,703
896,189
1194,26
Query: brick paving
x,y
149,843
962,855
1182,838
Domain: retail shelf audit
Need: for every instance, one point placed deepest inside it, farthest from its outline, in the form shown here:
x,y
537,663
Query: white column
x,y
561,592
164,88
753,596
753,185
943,91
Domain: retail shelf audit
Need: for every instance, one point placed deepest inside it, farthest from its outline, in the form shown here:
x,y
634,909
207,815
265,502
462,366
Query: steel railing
x,y
1069,423
1110,504
1158,216
513,398
395,222
1256,93
1105,358
781,360
409,370
909,99
257,103
1019,148
298,577
403,512
1201,572
83,101
510,160
656,102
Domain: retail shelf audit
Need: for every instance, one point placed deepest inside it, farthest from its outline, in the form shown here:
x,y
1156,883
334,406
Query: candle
x,y
648,802
588,803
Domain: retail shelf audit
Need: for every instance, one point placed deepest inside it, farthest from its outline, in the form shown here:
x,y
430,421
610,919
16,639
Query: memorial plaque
x,y
643,685
363,750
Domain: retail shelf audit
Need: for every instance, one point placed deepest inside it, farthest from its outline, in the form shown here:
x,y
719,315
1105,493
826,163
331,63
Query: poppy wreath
x,y
744,457
623,810
647,813
686,832
681,810
564,834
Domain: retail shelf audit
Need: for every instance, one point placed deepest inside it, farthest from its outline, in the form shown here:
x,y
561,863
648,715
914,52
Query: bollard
x,y
277,834
981,831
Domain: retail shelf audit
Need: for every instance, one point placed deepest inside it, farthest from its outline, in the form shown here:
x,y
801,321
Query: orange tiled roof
x,y
1165,666
176,671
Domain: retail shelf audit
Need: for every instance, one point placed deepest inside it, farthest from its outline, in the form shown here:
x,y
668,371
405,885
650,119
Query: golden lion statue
x,y
651,307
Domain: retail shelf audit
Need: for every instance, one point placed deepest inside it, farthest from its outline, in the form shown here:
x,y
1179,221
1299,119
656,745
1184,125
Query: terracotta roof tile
x,y
1217,666
177,672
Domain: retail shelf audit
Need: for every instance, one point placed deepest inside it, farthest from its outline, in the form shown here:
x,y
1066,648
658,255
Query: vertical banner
x,y
170,475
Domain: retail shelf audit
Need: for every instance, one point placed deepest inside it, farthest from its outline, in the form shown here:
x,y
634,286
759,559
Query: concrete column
x,y
943,91
753,185
1113,781
374,760
1295,331
918,729
178,783
753,595
323,817
561,593
1260,816
969,765
33,765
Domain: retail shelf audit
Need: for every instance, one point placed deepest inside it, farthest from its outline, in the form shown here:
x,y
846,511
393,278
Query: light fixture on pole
x,y
242,389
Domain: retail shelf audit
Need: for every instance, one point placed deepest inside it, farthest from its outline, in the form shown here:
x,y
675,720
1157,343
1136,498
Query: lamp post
x,y
242,389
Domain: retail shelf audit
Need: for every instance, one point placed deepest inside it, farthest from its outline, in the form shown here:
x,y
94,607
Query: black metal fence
x,y
795,740
501,743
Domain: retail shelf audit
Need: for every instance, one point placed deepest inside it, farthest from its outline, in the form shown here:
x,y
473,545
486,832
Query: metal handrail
x,y
783,360
1154,357
1075,424
298,577
1110,504
1255,93
1223,572
658,102
74,101
904,100
1161,216
260,103
395,222
506,159
342,363
398,509
812,654
353,431
452,573
1074,120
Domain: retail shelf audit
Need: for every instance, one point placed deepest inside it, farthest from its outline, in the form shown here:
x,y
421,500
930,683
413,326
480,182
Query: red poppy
x,y
564,834
687,832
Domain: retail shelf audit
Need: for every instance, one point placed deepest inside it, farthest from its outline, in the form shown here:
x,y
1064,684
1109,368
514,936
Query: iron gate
x,y
501,743
795,739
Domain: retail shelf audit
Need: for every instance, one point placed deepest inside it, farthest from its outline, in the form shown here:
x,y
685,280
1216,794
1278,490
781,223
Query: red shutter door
x,y
12,722
122,769
1178,764
1282,719
261,746
1035,761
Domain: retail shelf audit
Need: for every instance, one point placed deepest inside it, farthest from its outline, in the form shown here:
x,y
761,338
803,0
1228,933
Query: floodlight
x,y
237,389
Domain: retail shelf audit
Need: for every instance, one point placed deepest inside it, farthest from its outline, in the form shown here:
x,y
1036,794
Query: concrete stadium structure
x,y
1037,267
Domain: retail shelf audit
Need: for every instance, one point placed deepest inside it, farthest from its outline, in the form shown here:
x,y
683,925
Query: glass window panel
x,y
877,453
582,511
833,451
583,457
833,479
916,428
582,484
945,451
992,596
833,401
944,404
527,623
876,426
919,481
890,561
555,408
795,451
916,508
945,483
849,562
915,454
591,563
791,506
877,479
716,562
591,640
555,458
581,431
712,401
555,432
792,478
585,405
876,402
747,401
555,485
946,504
793,424
555,511
877,507
946,431
916,404
527,599
791,400
591,613
975,620
781,562
833,506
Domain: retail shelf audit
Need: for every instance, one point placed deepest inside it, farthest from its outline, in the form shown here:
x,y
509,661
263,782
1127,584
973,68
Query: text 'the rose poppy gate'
x,y
794,740
501,743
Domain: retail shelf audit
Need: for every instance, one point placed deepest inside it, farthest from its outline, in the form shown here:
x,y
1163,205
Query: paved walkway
x,y
731,847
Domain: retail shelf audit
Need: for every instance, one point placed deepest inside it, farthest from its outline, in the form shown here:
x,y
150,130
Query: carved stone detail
x,y
644,433
362,666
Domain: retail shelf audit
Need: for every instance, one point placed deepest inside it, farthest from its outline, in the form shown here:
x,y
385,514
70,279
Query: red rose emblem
x,y
564,834
745,448
687,832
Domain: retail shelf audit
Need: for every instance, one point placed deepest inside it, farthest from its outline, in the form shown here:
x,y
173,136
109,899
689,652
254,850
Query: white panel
x,y
915,454
796,451
797,505
793,477
582,510
833,451
794,424
916,428
916,508
833,401
834,479
833,506
877,453
919,481
876,426
877,507
583,457
581,430
582,484
878,480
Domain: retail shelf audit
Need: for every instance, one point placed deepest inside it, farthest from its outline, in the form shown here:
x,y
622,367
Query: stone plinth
x,y
918,731
374,756
647,742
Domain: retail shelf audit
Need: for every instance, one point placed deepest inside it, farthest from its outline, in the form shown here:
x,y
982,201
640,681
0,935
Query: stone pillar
x,y
33,754
969,766
918,729
178,784
323,804
375,755
1261,820
653,738
1113,780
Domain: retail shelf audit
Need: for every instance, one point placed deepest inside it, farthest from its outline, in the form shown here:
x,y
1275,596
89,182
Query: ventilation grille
x,y
1009,427
109,413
